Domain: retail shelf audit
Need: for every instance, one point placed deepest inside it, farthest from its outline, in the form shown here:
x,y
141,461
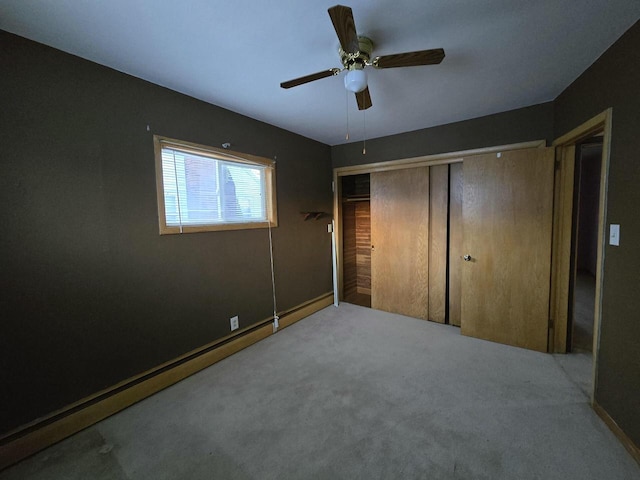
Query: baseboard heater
x,y
46,431
626,441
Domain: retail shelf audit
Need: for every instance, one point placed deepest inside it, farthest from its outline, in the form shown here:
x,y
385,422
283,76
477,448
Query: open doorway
x,y
588,170
582,166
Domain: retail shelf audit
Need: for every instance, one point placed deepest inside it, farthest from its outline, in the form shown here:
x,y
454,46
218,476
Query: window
x,y
202,188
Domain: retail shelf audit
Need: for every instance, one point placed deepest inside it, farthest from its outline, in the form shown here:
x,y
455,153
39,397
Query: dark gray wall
x,y
521,125
613,81
90,293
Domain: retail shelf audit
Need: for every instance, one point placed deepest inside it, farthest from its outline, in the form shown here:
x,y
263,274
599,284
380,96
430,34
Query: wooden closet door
x,y
400,241
438,240
507,219
455,242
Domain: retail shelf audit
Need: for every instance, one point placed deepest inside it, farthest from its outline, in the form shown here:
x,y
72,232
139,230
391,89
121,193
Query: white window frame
x,y
218,154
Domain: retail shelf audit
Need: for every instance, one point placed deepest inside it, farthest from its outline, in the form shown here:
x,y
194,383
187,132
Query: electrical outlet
x,y
234,323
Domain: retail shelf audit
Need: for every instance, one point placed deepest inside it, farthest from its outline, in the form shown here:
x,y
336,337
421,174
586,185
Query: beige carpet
x,y
352,393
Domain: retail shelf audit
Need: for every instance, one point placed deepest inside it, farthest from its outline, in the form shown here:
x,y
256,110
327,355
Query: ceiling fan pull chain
x,y
346,102
364,129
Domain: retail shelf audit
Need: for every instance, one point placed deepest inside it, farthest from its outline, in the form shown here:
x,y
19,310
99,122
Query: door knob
x,y
467,258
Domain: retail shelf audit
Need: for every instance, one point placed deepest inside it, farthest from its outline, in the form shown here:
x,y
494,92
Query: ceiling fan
x,y
355,54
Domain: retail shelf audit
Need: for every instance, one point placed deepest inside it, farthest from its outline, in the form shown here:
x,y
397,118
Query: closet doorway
x,y
356,239
408,214
397,231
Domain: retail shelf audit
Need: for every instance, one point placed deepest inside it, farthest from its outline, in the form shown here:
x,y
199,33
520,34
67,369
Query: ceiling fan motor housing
x,y
358,60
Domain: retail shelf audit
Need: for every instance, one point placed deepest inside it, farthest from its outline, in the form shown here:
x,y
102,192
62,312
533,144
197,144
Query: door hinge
x,y
333,187
557,164
550,322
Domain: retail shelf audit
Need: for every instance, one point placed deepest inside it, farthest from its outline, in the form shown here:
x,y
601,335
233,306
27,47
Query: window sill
x,y
164,230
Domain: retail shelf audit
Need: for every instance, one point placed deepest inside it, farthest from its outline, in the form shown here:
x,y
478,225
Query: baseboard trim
x,y
631,447
29,439
296,314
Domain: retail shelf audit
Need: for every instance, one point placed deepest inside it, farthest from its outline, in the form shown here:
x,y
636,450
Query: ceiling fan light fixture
x,y
355,80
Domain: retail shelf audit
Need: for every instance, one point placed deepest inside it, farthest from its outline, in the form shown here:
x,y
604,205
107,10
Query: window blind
x,y
201,190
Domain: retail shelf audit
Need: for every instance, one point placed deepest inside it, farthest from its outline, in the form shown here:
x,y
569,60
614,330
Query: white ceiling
x,y
500,54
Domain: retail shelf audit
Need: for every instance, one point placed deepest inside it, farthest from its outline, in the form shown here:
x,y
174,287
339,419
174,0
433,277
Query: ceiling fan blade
x,y
410,59
342,18
364,99
310,78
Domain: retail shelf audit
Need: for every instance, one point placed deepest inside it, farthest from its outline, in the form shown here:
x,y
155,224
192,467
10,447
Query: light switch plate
x,y
614,234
